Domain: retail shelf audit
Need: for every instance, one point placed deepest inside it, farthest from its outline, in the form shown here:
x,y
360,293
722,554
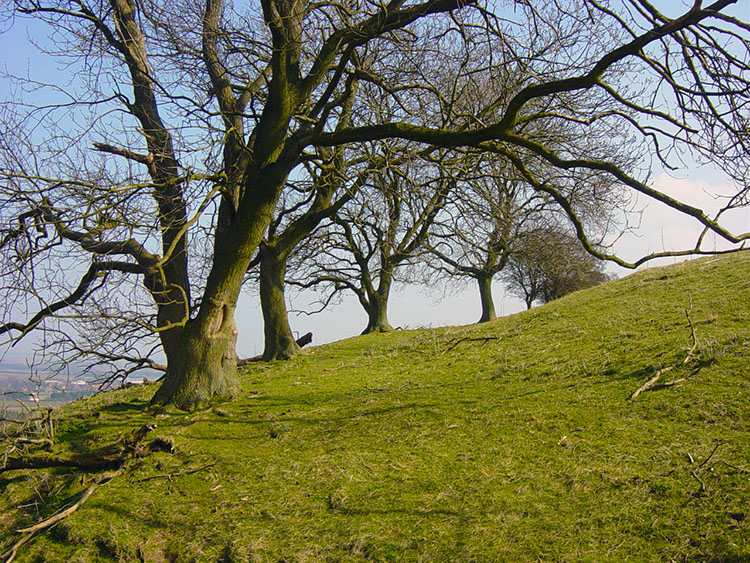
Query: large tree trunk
x,y
377,320
377,313
279,341
485,295
201,357
201,366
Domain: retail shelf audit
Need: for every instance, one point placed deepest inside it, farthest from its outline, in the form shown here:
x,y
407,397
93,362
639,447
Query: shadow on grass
x,y
310,421
152,522
134,406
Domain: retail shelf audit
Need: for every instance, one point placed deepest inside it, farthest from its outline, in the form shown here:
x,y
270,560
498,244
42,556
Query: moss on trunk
x,y
377,312
202,368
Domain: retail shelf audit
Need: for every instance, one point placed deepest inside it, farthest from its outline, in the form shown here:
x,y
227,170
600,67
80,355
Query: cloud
x,y
658,227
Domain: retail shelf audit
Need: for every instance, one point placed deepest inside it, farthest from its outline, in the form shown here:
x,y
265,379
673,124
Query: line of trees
x,y
197,139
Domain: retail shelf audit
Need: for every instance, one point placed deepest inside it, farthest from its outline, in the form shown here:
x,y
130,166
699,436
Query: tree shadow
x,y
134,406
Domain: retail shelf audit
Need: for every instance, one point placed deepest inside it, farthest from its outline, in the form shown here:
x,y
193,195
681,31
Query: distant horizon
x,y
20,370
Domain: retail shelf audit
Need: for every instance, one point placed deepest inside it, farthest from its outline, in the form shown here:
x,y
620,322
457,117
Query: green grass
x,y
411,446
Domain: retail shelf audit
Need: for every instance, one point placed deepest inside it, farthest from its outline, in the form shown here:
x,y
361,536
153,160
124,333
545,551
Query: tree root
x,y
113,455
102,458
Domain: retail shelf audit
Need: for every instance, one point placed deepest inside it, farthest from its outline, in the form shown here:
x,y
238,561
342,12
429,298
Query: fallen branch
x,y
52,520
108,456
705,461
31,531
116,454
652,383
457,341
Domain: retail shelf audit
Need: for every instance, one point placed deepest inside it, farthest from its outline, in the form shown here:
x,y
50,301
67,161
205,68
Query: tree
x,y
480,226
549,263
382,230
296,220
333,179
187,119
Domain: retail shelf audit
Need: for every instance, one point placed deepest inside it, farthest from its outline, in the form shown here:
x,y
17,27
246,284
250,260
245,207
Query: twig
x,y
652,383
703,486
31,531
705,461
169,476
739,469
458,341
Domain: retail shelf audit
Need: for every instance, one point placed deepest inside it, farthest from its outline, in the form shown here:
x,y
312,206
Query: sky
x,y
660,228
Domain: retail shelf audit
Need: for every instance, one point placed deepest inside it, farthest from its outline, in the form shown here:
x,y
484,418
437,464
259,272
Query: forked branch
x,y
652,383
96,270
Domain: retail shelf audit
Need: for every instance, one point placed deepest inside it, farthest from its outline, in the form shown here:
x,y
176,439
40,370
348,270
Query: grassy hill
x,y
517,440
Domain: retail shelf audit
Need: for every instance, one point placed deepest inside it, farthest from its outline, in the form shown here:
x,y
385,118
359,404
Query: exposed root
x,y
111,455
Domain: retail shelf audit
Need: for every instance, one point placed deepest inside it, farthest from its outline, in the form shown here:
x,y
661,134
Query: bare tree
x,y
188,118
476,234
301,210
378,235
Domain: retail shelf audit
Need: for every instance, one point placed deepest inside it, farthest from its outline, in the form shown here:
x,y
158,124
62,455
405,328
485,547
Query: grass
x,y
421,446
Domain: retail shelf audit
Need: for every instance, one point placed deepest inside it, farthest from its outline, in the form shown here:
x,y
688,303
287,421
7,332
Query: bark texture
x,y
377,306
279,344
485,295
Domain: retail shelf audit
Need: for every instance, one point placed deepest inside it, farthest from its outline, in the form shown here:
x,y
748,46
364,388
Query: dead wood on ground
x,y
457,341
651,384
111,455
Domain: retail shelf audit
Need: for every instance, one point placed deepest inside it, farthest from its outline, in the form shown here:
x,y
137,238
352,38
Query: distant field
x,y
12,409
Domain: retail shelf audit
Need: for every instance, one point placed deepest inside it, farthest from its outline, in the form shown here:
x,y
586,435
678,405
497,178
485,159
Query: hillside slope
x,y
517,440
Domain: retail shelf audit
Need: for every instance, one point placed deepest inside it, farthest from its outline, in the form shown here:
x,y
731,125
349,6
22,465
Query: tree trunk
x,y
485,295
201,356
201,366
377,313
377,320
279,341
